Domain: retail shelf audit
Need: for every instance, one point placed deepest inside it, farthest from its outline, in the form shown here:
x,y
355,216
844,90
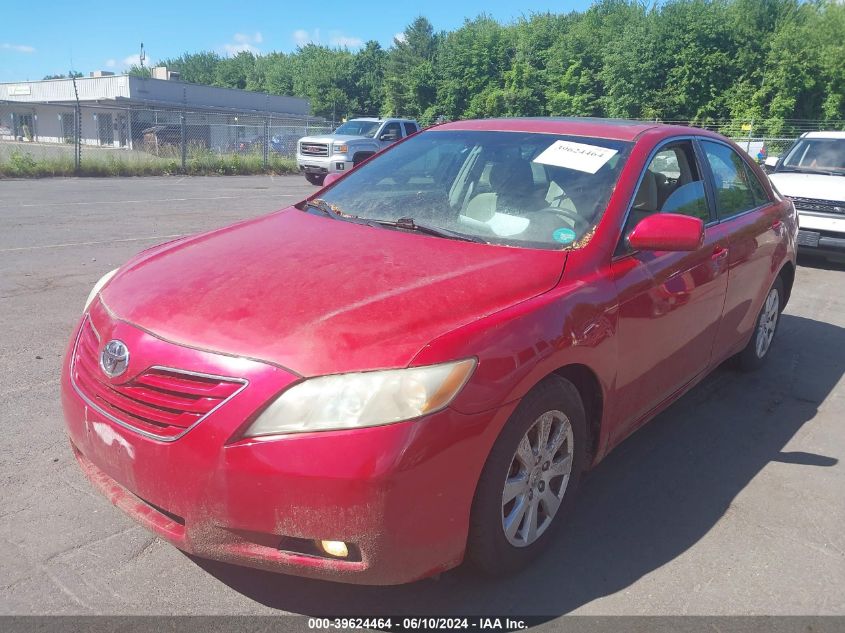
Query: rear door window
x,y
760,195
731,180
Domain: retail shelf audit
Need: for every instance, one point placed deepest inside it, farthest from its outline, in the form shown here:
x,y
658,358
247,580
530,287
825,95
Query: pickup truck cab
x,y
812,173
351,143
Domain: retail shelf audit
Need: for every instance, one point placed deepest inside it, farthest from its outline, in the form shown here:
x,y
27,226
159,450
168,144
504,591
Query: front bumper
x,y
821,234
323,165
399,494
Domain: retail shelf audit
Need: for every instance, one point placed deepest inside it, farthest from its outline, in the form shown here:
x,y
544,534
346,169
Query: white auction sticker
x,y
587,158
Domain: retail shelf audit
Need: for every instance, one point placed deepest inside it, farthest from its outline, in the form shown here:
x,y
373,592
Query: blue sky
x,y
42,38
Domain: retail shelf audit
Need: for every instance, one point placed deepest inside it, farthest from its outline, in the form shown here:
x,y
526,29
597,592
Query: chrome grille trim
x,y
314,149
817,205
87,321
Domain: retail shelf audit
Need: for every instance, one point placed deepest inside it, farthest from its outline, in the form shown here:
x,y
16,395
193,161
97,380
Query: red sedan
x,y
417,365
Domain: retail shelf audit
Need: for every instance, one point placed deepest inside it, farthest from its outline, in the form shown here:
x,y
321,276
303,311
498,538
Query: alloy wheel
x,y
768,322
537,478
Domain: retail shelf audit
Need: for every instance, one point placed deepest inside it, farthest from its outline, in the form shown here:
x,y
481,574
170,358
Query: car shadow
x,y
811,260
649,501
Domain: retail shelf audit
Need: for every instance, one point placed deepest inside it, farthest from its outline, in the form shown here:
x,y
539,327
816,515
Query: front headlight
x,y
340,148
97,287
347,401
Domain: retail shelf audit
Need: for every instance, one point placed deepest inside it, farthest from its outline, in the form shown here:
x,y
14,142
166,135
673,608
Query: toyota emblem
x,y
114,358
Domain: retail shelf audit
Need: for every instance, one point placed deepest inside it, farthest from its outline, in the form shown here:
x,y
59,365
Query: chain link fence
x,y
764,138
130,139
60,139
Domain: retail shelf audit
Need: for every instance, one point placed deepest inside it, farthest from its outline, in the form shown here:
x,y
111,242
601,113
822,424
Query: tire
x,y
488,546
315,179
758,348
360,158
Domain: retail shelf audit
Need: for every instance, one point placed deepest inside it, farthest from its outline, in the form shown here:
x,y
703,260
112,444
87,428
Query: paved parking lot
x,y
731,502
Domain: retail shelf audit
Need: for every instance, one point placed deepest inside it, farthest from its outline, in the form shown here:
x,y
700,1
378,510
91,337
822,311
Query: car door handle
x,y
719,253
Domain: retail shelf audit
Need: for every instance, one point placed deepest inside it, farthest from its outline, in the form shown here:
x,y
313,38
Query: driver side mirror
x,y
667,232
388,136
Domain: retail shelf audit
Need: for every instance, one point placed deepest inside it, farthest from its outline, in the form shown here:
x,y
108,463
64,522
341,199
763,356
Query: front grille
x,y
819,206
160,401
313,149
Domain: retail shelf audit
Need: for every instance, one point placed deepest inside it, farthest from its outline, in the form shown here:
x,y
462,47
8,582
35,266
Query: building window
x,y
23,126
105,128
68,131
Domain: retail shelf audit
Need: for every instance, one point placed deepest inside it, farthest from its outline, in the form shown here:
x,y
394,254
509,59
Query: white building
x,y
116,110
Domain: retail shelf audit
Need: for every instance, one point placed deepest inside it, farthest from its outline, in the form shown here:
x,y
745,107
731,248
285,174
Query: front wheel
x,y
529,479
757,350
315,179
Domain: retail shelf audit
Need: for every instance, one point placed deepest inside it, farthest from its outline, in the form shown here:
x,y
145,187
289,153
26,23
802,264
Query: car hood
x,y
318,295
331,138
818,186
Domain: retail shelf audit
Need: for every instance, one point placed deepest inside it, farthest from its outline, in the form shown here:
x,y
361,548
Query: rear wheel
x,y
757,350
315,179
530,478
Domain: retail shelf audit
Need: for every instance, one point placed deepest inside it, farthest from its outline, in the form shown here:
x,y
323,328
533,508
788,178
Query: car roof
x,y
379,119
616,129
829,134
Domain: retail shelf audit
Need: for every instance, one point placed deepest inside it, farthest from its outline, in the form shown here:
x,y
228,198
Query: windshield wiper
x,y
331,210
409,224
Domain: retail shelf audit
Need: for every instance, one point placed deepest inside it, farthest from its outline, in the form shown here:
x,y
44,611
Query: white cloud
x,y
399,37
244,42
339,39
302,37
127,62
18,48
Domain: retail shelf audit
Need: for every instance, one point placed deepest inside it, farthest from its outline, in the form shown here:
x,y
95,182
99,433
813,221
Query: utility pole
x,y
77,127
182,129
266,144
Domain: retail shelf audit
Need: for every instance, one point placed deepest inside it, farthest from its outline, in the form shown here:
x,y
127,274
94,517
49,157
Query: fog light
x,y
340,166
337,549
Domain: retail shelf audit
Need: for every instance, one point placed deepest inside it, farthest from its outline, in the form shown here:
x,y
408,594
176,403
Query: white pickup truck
x,y
354,141
812,173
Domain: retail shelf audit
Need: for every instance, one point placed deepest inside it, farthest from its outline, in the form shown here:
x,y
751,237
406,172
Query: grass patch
x,y
18,164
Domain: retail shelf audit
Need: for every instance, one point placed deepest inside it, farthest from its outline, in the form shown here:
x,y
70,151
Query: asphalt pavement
x,y
730,502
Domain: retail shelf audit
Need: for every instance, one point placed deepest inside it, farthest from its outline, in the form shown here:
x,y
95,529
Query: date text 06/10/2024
x,y
420,624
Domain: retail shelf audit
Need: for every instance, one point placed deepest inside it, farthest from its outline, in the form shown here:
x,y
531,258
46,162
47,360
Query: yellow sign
x,y
746,127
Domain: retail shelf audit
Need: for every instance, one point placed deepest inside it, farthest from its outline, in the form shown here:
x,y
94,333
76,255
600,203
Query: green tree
x,y
322,74
367,79
195,68
233,72
71,75
702,60
409,80
471,63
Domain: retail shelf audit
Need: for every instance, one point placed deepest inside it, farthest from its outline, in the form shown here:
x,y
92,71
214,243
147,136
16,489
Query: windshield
x,y
817,154
514,188
359,128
